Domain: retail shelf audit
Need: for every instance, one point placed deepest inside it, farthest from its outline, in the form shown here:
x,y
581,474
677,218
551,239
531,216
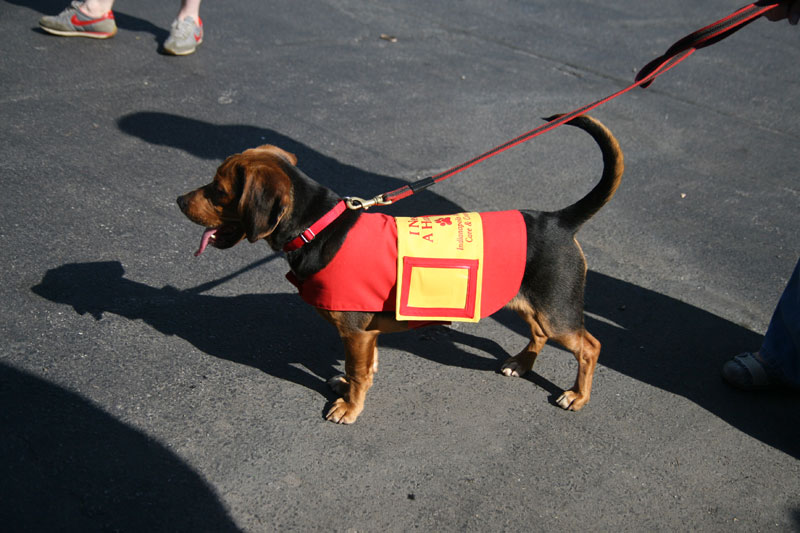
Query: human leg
x,y
97,8
781,346
189,8
778,360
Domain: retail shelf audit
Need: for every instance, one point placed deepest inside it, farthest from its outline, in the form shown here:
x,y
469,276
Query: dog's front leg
x,y
359,365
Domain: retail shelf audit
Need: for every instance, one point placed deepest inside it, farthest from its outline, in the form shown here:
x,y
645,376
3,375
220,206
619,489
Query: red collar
x,y
309,234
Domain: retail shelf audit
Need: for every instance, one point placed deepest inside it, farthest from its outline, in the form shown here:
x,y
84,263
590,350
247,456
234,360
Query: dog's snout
x,y
181,202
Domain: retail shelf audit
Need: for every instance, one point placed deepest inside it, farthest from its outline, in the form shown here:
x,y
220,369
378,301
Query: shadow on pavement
x,y
216,142
67,465
290,334
648,336
680,348
136,24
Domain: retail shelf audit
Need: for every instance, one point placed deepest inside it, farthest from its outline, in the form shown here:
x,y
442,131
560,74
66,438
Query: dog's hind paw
x,y
339,384
343,412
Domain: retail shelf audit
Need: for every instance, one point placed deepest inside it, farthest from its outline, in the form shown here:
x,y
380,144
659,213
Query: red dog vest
x,y
363,274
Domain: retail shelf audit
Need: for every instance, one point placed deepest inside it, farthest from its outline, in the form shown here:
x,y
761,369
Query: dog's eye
x,y
214,192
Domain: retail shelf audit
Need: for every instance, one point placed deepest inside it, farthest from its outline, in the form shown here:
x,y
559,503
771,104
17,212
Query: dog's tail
x,y
613,165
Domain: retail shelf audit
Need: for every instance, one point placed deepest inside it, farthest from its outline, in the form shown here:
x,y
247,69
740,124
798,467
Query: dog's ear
x,y
274,150
266,199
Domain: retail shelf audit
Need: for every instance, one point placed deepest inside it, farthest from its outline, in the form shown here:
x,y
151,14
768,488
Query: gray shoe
x,y
184,37
72,22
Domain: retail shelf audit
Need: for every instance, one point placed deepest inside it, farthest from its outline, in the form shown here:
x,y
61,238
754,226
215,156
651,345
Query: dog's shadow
x,y
648,336
276,333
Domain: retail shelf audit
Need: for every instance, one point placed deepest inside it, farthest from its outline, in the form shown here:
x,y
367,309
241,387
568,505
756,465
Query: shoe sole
x,y
89,34
186,53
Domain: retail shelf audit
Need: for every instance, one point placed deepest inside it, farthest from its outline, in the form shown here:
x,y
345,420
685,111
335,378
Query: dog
x,y
261,194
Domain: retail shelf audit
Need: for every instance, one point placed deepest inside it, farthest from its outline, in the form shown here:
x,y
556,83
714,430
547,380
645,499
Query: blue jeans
x,y
781,346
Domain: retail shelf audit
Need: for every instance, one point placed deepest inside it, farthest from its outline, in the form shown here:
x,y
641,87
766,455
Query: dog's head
x,y
250,195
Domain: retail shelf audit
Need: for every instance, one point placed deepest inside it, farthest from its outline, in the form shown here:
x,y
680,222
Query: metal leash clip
x,y
355,203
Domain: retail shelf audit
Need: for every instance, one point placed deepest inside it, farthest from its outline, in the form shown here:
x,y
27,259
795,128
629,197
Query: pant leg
x,y
781,346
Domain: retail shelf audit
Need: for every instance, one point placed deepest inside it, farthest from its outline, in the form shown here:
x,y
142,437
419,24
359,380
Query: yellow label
x,y
439,267
433,288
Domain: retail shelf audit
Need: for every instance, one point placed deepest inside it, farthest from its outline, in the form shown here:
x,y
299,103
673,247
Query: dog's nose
x,y
181,202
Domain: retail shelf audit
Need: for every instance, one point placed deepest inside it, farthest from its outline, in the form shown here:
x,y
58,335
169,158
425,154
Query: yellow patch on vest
x,y
439,267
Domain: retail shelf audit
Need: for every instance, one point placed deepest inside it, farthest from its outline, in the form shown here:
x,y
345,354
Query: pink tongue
x,y
204,241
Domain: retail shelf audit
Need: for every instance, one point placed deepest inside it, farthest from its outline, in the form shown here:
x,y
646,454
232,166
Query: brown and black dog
x,y
261,194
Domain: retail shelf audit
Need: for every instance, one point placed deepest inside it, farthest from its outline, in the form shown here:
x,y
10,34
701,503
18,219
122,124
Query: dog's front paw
x,y
343,412
572,401
339,384
516,366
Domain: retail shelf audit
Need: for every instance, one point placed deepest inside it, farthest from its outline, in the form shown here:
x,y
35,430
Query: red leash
x,y
677,52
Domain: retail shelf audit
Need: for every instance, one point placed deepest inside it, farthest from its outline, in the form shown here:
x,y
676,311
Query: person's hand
x,y
787,9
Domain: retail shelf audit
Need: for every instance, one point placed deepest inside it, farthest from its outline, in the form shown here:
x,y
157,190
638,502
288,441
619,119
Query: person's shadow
x,y
68,466
680,348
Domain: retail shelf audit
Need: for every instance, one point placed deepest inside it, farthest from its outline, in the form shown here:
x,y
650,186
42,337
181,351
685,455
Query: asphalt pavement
x,y
143,389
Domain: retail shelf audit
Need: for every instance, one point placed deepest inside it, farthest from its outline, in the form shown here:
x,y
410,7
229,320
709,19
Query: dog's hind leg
x,y
521,363
586,350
